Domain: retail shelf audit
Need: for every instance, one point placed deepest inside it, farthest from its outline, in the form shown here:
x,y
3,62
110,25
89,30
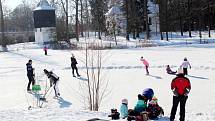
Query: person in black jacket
x,y
30,74
73,65
54,79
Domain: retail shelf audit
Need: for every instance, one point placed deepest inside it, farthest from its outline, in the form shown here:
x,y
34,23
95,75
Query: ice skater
x,y
146,63
185,65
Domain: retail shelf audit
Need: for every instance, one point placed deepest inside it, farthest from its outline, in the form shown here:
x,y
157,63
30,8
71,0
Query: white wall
x,y
45,34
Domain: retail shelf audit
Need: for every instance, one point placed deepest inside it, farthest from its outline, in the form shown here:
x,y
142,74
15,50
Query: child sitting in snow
x,y
124,109
153,109
140,107
169,71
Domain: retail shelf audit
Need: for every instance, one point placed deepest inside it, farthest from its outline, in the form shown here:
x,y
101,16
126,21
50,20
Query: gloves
x,y
186,92
175,93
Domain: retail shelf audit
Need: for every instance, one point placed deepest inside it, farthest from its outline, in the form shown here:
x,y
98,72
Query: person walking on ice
x,y
45,49
185,65
73,65
146,63
54,80
30,74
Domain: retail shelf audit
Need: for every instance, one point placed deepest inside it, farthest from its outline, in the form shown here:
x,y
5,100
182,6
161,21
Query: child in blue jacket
x,y
124,109
141,105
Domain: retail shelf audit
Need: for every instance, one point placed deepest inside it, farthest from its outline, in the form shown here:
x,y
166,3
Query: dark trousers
x,y
185,71
147,71
176,100
74,68
30,80
45,52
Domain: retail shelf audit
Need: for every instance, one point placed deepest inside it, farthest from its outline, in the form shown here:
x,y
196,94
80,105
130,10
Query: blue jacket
x,y
124,111
29,68
140,106
148,93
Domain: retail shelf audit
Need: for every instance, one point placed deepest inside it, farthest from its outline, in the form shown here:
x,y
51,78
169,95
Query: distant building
x,y
44,23
153,16
117,16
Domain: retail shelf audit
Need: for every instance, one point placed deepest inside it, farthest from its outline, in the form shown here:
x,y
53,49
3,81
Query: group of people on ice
x,y
53,78
185,65
147,106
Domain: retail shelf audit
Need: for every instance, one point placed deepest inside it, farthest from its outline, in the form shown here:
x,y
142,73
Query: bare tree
x,y
95,88
65,6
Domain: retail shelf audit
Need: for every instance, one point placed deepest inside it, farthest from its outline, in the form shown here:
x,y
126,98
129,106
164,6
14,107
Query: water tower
x,y
44,23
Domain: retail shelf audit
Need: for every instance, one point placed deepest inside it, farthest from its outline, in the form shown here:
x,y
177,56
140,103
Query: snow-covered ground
x,y
126,77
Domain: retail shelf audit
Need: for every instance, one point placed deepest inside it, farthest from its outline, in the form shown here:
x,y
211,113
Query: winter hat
x,y
154,98
152,102
125,101
45,71
180,71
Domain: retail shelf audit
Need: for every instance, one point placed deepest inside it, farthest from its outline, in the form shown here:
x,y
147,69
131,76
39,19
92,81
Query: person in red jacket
x,y
181,87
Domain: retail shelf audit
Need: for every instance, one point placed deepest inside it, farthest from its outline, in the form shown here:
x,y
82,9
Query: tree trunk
x,y
67,21
134,35
161,35
76,21
209,19
127,19
200,27
181,26
4,44
87,17
190,15
146,18
166,20
81,27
